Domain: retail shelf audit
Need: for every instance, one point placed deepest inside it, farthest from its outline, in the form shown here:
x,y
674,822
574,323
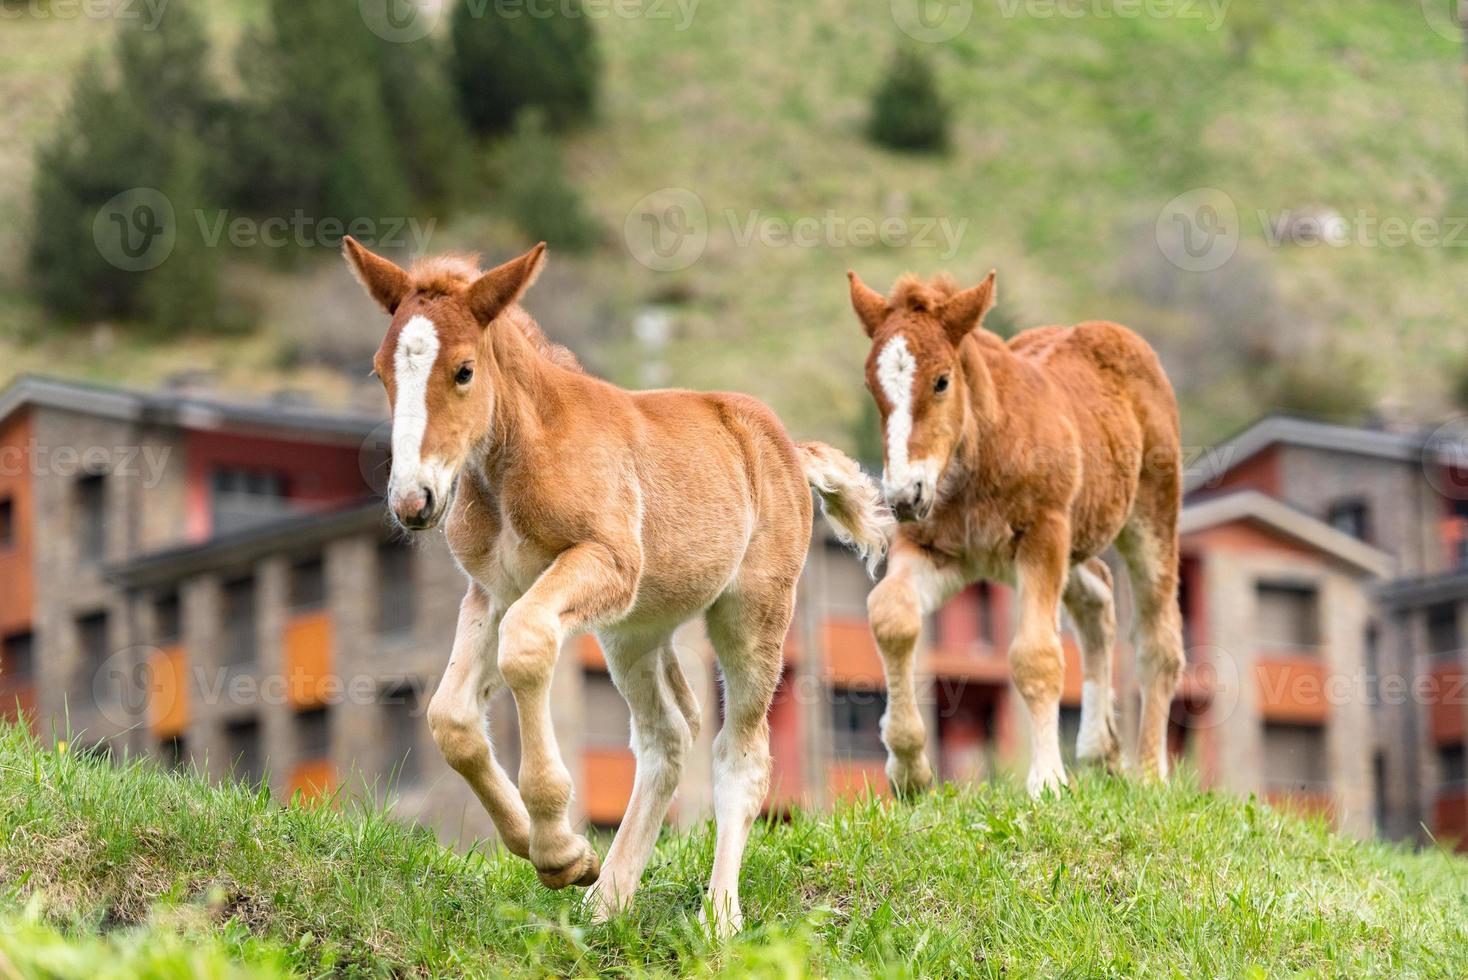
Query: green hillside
x,y
133,872
1070,134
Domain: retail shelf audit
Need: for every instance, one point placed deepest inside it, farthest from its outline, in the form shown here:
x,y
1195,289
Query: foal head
x,y
915,374
436,364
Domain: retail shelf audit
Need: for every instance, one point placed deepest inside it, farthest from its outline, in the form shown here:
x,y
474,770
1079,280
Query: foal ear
x,y
505,284
964,311
384,281
870,305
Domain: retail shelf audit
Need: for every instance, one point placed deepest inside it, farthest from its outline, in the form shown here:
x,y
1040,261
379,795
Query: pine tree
x,y
907,111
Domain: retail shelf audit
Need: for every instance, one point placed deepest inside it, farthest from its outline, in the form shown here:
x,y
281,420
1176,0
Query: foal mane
x,y
454,272
917,295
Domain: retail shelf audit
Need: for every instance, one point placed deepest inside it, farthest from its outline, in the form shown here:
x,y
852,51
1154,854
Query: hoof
x,y
1044,783
583,870
909,781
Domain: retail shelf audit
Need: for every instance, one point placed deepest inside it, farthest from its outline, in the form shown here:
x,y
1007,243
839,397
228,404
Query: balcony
x,y
607,775
308,644
1292,688
1450,816
1447,712
1453,533
168,694
314,779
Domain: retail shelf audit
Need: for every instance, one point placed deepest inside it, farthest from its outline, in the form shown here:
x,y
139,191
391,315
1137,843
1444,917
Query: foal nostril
x,y
427,507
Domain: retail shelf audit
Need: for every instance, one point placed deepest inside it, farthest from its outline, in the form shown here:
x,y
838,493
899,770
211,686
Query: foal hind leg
x,y
661,738
748,634
1149,545
1036,661
915,584
1089,599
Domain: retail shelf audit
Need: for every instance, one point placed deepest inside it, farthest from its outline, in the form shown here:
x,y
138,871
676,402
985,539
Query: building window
x,y
1443,638
1295,759
401,722
91,517
1351,517
243,498
98,680
308,585
395,588
607,720
242,749
1379,791
313,735
18,659
1372,645
7,523
238,601
1289,618
167,620
856,716
1070,731
1452,768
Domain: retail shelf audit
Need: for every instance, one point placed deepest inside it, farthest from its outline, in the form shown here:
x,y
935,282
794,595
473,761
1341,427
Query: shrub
x,y
507,59
537,195
908,113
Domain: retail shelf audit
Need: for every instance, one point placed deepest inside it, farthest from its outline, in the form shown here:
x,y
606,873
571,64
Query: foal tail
x,y
850,501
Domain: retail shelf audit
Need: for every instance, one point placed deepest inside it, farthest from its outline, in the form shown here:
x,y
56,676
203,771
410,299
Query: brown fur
x,y
1049,449
579,506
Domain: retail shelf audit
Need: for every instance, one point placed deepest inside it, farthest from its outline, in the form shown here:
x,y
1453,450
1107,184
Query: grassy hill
x,y
134,872
1070,135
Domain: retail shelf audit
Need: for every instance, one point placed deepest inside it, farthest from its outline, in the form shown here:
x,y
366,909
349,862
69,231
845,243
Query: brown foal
x,y
1021,463
574,506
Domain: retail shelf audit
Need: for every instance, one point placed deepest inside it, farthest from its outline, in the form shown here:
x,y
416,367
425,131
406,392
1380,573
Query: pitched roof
x,y
183,410
1402,447
1259,508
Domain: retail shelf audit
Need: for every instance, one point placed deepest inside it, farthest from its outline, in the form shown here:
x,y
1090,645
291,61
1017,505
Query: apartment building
x,y
215,586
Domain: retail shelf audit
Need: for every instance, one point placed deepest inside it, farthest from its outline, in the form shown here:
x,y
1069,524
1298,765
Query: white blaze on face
x,y
896,369
413,361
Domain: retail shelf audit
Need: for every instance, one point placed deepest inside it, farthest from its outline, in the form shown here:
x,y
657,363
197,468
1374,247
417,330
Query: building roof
x,y
1261,509
310,529
1402,447
184,410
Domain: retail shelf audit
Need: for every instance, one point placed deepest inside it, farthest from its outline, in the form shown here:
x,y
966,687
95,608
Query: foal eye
x,y
941,385
465,375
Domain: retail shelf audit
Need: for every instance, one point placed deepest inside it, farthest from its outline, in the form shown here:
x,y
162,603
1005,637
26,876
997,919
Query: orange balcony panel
x,y
1304,803
168,695
314,779
1292,690
1453,532
607,775
968,663
1447,713
588,652
309,639
1450,818
851,653
850,779
17,701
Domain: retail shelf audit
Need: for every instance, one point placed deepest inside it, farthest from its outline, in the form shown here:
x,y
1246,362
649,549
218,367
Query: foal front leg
x,y
1035,658
456,716
582,586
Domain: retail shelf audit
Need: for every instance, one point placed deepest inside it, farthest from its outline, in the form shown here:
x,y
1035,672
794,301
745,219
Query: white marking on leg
x,y
1095,706
1047,770
413,361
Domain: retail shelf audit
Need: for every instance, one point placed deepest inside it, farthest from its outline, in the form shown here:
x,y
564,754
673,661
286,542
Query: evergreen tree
x,y
538,197
907,111
509,57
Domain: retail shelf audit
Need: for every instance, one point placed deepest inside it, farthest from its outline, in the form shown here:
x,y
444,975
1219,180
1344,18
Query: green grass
x,y
132,866
1069,136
